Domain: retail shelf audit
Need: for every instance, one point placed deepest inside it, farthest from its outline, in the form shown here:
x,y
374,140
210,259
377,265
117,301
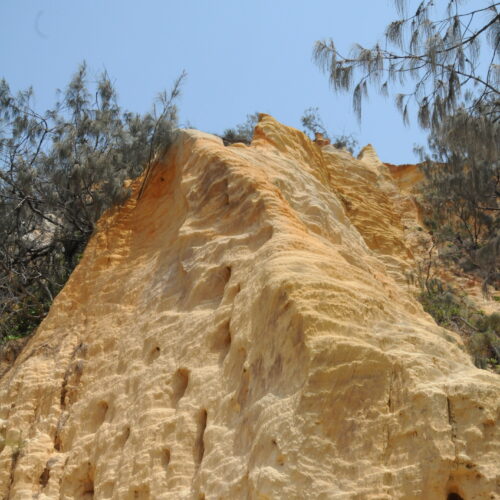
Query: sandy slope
x,y
245,331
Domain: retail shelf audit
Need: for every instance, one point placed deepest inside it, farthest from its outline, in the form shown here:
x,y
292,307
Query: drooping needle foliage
x,y
441,61
59,171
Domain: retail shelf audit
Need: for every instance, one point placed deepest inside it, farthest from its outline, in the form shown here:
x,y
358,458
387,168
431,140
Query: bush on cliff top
x,y
242,132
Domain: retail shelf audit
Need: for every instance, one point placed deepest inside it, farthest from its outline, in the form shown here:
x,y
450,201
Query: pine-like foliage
x,y
433,54
312,122
242,132
58,172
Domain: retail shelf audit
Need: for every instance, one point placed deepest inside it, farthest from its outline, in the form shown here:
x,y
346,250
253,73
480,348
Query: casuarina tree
x,y
59,171
441,61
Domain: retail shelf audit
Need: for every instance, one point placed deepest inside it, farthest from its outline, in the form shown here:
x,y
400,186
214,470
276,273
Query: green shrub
x,y
242,132
312,123
480,331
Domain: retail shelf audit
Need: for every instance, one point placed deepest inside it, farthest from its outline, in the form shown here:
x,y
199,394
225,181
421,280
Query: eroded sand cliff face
x,y
244,331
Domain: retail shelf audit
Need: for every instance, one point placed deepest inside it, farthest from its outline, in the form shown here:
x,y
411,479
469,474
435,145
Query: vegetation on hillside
x,y
455,311
59,171
242,132
441,60
312,122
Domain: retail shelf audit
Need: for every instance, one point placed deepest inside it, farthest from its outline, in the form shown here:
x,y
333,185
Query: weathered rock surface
x,y
406,176
244,331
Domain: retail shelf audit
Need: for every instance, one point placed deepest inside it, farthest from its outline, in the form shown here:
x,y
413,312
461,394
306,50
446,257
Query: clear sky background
x,y
241,56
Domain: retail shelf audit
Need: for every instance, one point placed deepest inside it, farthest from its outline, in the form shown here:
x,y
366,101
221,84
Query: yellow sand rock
x,y
406,176
243,332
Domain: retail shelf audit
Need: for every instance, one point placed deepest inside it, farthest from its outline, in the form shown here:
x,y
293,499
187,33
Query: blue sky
x,y
240,56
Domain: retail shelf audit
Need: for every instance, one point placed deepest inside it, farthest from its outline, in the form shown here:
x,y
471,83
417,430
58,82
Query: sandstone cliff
x,y
406,176
245,331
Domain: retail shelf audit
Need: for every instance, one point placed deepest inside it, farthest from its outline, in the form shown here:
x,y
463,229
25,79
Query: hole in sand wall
x,y
87,482
57,442
58,446
141,493
165,458
123,437
199,445
44,477
221,340
154,354
244,388
100,414
179,384
88,490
